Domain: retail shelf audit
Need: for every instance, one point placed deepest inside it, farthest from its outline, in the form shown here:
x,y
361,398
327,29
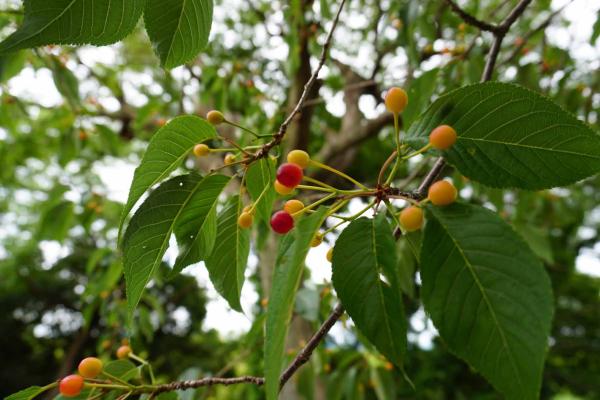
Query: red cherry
x,y
70,386
289,175
282,222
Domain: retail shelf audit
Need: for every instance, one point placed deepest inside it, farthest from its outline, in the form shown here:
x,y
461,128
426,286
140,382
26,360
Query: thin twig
x,y
304,355
278,137
301,358
543,25
470,19
492,56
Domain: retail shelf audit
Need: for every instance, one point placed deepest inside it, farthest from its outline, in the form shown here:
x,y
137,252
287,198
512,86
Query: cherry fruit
x,y
200,150
293,206
289,175
90,367
298,157
70,386
442,137
282,222
282,189
442,193
411,218
215,117
396,100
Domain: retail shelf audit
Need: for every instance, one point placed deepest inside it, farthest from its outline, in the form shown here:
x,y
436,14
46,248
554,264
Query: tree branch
x,y
488,71
301,358
470,19
304,355
278,137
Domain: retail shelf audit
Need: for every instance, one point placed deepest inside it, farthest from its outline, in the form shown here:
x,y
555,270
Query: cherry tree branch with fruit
x,y
470,260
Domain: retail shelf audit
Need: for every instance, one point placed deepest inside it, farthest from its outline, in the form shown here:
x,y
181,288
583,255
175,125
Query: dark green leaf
x,y
227,263
293,249
509,136
167,149
196,228
27,394
178,29
364,252
97,22
147,236
488,296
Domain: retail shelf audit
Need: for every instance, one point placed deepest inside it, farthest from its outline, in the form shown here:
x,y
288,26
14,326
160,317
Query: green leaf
x,y
11,65
65,81
488,296
227,263
97,22
364,252
147,236
260,175
56,222
595,30
292,251
27,394
509,136
123,369
167,149
178,29
419,94
537,239
196,227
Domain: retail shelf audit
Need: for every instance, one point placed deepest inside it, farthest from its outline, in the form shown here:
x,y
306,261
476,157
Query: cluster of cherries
x,y
441,193
89,368
291,173
289,176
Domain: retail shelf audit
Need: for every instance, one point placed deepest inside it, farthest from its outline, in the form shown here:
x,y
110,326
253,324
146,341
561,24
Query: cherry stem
x,y
340,173
316,203
234,144
385,166
398,150
260,197
144,363
416,153
317,182
108,386
350,219
317,188
244,129
116,379
222,150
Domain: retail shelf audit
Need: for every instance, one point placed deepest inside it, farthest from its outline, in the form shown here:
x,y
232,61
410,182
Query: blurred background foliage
x,y
74,121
